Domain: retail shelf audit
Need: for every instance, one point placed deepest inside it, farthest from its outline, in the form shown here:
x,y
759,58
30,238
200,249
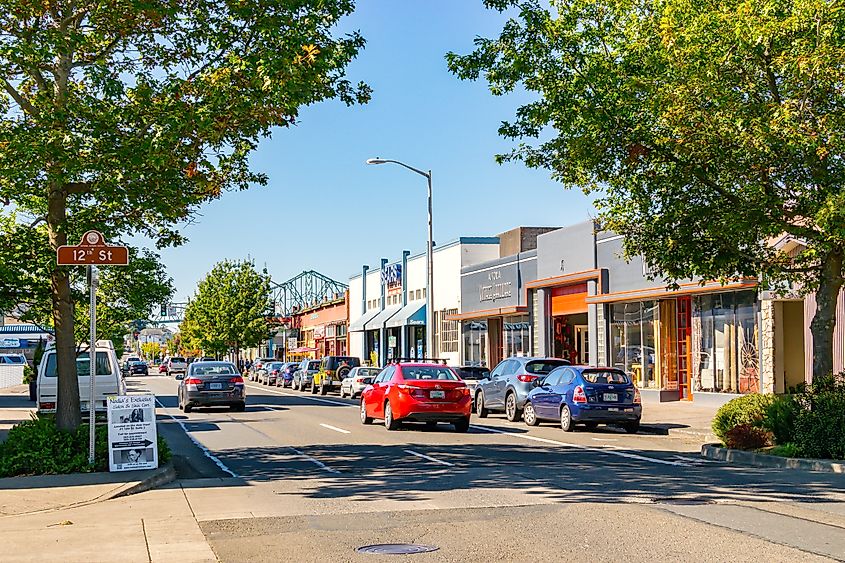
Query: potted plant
x,y
30,379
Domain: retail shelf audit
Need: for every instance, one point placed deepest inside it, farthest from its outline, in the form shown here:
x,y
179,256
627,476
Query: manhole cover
x,y
396,548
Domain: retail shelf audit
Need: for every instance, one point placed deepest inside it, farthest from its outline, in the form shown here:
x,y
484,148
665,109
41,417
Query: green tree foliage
x,y
711,129
229,310
126,116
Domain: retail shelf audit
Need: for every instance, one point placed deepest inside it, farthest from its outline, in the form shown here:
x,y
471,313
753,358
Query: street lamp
x,y
429,266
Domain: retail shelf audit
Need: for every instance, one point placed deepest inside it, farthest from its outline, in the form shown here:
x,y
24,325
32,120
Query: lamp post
x,y
429,264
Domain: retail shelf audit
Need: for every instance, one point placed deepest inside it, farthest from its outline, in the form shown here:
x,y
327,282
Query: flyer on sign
x,y
132,432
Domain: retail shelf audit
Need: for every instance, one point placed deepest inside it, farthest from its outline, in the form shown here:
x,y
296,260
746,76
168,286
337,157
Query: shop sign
x,y
320,331
391,276
10,343
133,442
292,342
496,289
391,341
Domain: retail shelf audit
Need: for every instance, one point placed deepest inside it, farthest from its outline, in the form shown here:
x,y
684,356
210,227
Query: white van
x,y
109,380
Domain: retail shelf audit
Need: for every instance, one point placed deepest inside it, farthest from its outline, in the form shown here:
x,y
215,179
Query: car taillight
x,y
527,378
237,379
637,398
193,381
359,380
46,406
275,372
578,395
463,390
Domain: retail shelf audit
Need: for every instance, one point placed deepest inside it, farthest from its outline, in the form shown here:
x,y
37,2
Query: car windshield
x,y
543,367
134,359
337,361
212,369
276,365
368,371
428,372
315,365
83,365
14,359
474,373
178,360
611,377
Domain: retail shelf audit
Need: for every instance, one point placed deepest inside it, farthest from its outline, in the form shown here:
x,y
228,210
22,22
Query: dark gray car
x,y
303,377
210,384
507,387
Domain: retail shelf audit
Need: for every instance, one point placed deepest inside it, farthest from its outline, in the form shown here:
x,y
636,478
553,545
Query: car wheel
x,y
389,422
323,388
480,408
462,425
529,416
591,425
187,408
364,418
632,427
342,393
313,388
512,413
566,419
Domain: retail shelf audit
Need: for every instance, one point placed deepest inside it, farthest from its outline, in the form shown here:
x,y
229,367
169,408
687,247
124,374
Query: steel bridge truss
x,y
304,291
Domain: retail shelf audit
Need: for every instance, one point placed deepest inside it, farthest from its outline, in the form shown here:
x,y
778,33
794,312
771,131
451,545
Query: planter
x,y
33,391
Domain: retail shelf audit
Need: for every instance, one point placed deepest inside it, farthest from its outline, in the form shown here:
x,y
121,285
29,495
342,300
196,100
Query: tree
x,y
229,310
151,350
126,116
708,129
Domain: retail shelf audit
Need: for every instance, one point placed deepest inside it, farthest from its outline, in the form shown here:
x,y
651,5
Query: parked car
x,y
162,367
256,367
418,392
12,359
332,371
303,378
509,384
592,396
357,380
209,384
176,365
285,377
107,377
138,367
471,376
269,371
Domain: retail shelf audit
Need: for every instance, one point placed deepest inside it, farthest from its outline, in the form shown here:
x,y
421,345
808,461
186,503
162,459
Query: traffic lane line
x,y
335,428
610,450
316,462
429,458
308,397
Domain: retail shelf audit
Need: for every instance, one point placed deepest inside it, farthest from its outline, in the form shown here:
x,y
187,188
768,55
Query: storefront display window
x,y
516,336
727,345
632,341
475,343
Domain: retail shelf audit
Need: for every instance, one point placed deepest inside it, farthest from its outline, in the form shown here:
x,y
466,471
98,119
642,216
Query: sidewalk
x,y
679,418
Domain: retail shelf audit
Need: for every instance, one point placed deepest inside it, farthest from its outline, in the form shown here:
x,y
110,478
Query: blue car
x,y
585,395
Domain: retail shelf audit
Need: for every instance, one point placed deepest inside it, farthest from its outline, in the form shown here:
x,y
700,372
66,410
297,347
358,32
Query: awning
x,y
377,322
302,350
358,325
412,314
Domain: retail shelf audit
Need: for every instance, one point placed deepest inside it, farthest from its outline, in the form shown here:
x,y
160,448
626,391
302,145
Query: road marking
x,y
606,450
202,448
335,428
429,458
606,439
317,399
316,462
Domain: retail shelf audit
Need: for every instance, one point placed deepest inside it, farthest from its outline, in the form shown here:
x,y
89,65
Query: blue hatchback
x,y
585,395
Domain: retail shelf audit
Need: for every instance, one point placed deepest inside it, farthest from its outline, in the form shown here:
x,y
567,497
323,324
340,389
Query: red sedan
x,y
417,392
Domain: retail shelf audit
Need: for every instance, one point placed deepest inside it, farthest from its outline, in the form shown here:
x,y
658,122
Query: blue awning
x,y
412,314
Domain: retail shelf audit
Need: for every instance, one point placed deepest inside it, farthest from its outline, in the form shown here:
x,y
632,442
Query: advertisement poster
x,y
132,433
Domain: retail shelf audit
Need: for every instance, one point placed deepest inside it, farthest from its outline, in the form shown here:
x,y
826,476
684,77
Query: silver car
x,y
357,380
508,385
211,384
472,375
303,378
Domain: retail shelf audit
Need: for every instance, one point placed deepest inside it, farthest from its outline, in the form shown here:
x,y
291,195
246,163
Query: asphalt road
x,y
300,472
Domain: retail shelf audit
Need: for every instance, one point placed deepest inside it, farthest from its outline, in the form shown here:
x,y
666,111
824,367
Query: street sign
x,y
92,250
132,432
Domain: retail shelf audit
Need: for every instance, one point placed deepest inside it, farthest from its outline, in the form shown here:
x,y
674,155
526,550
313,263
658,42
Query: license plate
x,y
438,394
611,397
613,409
215,386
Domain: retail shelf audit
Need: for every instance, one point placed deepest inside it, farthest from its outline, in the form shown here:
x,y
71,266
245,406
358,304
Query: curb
x,y
660,431
718,453
163,475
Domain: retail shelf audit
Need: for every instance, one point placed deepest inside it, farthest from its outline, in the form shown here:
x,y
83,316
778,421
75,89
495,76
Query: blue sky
x,y
325,210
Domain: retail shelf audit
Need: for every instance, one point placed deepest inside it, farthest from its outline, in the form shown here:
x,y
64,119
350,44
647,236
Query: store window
x,y
475,343
516,337
726,349
448,333
632,341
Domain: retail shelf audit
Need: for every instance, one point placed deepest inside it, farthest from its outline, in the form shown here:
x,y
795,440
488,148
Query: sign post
x,y
92,251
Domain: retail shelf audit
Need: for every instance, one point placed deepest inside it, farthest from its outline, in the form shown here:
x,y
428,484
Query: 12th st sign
x,y
92,250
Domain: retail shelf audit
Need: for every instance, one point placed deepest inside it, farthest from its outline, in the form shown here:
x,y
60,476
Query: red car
x,y
162,368
417,392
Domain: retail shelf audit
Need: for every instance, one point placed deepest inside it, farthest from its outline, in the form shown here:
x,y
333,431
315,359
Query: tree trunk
x,y
68,416
824,321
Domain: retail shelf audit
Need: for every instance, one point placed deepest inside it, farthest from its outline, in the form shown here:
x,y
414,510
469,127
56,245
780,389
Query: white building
x,y
387,304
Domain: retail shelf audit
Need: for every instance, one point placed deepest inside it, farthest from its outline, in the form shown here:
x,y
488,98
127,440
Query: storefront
x,y
322,330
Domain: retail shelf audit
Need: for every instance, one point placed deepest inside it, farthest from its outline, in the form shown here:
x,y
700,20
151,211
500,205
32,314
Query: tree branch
x,y
78,187
20,100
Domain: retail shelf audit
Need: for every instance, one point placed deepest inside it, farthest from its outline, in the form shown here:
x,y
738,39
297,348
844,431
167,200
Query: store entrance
x,y
570,338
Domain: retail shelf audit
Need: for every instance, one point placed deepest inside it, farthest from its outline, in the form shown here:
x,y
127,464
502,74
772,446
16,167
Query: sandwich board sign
x,y
133,442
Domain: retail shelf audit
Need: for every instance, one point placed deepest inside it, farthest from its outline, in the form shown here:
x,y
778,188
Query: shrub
x,y
747,409
779,418
785,450
28,375
820,424
747,437
38,447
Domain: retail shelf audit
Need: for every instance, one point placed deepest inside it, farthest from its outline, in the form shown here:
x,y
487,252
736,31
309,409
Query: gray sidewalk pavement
x,y
681,419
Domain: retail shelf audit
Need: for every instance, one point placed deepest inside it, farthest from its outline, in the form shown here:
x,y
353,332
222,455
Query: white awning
x,y
358,325
378,321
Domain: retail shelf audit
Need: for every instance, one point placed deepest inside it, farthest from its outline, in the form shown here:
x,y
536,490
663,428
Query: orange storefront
x,y
323,329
